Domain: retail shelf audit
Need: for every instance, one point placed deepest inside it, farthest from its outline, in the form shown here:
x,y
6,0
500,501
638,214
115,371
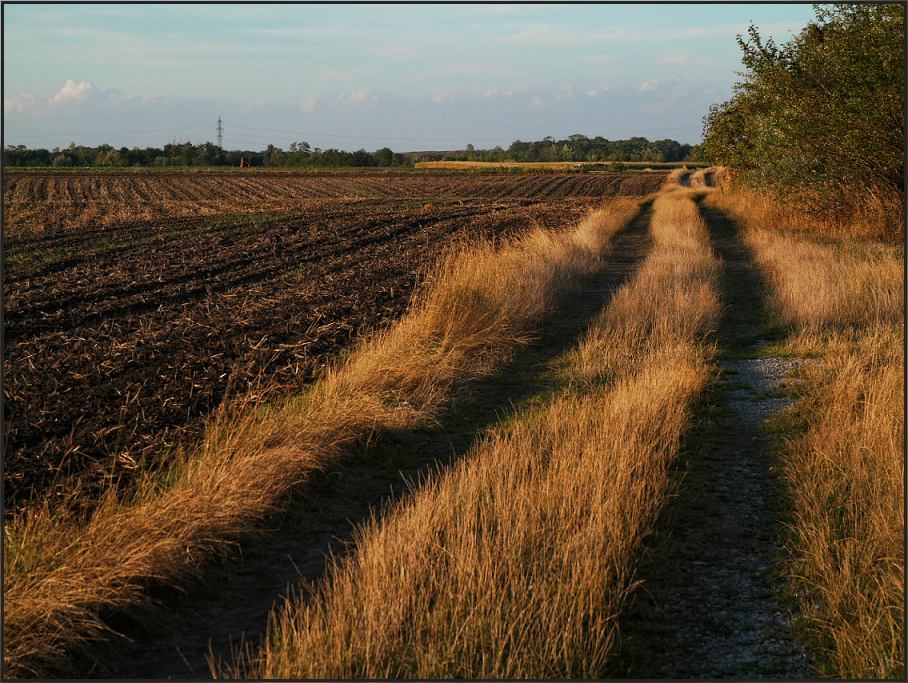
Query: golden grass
x,y
816,286
869,217
845,464
59,573
846,474
677,177
515,563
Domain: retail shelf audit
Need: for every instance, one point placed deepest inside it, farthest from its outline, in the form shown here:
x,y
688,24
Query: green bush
x,y
820,118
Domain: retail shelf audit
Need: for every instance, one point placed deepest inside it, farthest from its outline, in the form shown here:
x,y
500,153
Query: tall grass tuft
x,y
869,217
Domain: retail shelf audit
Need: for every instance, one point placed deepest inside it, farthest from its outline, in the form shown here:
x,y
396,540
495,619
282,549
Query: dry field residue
x,y
120,339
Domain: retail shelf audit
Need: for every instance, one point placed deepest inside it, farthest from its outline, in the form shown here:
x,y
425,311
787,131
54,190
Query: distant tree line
x,y
574,148
187,154
821,118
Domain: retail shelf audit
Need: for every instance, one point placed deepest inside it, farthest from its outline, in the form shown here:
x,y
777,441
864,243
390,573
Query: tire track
x,y
711,604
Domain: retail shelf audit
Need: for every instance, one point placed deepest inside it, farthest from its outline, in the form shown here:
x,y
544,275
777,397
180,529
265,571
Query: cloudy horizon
x,y
406,77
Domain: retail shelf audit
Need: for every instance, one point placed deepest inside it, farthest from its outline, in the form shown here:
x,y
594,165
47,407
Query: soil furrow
x,y
105,378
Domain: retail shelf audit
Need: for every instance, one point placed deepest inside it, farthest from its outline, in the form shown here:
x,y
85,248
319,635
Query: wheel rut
x,y
230,601
710,604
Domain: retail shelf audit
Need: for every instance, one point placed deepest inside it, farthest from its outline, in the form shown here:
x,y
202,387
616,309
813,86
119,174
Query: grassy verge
x,y
842,449
516,562
60,574
870,218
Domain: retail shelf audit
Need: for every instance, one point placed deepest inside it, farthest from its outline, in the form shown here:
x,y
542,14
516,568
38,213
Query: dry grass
x,y
846,474
821,286
845,462
515,563
867,218
697,179
678,177
61,573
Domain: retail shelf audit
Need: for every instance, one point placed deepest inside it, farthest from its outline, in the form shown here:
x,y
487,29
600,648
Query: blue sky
x,y
350,76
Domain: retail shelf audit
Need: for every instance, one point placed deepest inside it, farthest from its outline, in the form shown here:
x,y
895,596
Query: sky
x,y
410,77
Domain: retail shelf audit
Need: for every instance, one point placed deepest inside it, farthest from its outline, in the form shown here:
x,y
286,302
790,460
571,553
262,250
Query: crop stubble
x,y
122,337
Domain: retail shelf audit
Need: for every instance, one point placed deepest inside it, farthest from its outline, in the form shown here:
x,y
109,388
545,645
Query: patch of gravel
x,y
711,605
763,377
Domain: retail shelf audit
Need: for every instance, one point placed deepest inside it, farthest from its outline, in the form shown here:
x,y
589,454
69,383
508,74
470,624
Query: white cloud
x,y
308,104
358,97
657,84
567,93
73,91
538,35
443,97
19,103
592,92
537,103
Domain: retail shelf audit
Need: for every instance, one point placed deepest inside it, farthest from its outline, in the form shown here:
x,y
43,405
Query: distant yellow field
x,y
556,165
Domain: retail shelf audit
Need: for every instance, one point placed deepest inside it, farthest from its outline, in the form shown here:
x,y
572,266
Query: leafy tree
x,y
384,157
820,118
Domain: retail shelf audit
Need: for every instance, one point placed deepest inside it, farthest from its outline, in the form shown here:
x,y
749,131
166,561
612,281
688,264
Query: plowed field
x,y
43,201
122,335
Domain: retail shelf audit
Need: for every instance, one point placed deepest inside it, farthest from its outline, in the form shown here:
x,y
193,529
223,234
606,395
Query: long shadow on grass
x,y
710,602
232,599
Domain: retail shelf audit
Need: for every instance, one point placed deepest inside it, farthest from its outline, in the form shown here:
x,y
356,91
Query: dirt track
x,y
710,605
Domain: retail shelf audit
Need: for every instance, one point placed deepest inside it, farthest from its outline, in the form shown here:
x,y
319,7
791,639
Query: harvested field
x,y
40,202
121,338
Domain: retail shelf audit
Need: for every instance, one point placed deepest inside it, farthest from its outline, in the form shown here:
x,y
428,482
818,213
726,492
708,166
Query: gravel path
x,y
710,604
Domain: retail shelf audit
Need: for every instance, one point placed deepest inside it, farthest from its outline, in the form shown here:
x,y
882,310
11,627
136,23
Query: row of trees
x,y
574,148
578,148
187,154
821,118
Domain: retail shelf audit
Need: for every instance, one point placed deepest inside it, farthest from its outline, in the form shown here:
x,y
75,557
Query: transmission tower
x,y
220,134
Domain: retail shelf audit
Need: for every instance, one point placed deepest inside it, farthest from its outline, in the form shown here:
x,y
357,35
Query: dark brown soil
x,y
37,203
120,341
